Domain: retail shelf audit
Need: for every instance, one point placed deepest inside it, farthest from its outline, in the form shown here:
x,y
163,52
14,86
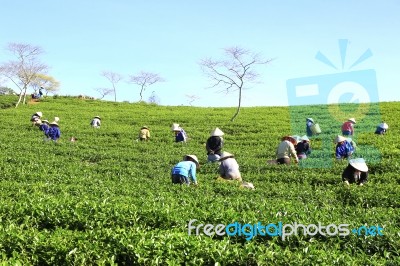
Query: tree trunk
x,y
115,94
19,99
239,104
141,94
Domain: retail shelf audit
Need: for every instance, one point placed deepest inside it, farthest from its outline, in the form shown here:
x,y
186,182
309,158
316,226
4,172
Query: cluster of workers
x,y
297,147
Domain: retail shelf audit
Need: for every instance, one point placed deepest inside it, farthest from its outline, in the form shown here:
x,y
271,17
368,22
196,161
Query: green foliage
x,y
107,199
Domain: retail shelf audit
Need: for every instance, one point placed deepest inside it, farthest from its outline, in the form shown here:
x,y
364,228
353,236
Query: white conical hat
x,y
384,125
305,138
194,157
216,132
40,114
339,139
296,138
226,155
352,120
54,123
175,127
56,119
359,164
98,117
310,119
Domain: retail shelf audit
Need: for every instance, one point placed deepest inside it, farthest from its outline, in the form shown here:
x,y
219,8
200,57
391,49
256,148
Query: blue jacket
x,y
186,169
181,136
54,133
380,131
344,150
44,127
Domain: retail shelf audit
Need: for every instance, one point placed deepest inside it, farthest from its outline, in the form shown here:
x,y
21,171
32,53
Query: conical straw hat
x,y
194,157
216,132
359,164
339,139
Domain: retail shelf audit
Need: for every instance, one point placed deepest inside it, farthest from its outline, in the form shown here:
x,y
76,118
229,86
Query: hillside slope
x,y
108,199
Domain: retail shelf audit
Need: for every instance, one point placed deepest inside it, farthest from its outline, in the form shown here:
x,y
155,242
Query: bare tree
x,y
234,72
144,79
192,98
24,69
114,78
48,83
104,91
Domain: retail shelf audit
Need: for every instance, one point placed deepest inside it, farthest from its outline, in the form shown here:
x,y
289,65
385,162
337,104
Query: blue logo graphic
x,y
340,96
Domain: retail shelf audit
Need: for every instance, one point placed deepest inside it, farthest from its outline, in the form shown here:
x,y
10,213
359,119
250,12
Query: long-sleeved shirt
x,y
44,127
229,168
95,122
344,150
144,133
308,128
380,131
303,147
286,150
186,169
54,133
181,136
352,176
348,126
214,145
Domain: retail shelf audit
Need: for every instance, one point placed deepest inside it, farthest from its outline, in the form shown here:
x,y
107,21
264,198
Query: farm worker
x,y
35,119
180,134
184,172
44,126
54,132
96,122
214,145
229,168
348,127
285,150
382,128
303,147
344,148
144,133
309,124
355,172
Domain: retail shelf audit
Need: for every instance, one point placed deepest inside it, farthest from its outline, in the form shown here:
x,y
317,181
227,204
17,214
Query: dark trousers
x,y
179,179
283,161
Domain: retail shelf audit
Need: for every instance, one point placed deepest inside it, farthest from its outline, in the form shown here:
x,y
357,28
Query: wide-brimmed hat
x,y
383,125
39,114
175,127
226,155
310,119
98,117
352,120
216,132
305,138
145,127
45,121
339,139
194,157
54,123
296,138
359,164
290,139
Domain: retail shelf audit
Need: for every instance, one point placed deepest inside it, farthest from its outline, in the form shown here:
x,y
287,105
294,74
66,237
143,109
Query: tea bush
x,y
107,199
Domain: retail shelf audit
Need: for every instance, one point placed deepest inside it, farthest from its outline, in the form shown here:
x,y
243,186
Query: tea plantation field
x,y
107,199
